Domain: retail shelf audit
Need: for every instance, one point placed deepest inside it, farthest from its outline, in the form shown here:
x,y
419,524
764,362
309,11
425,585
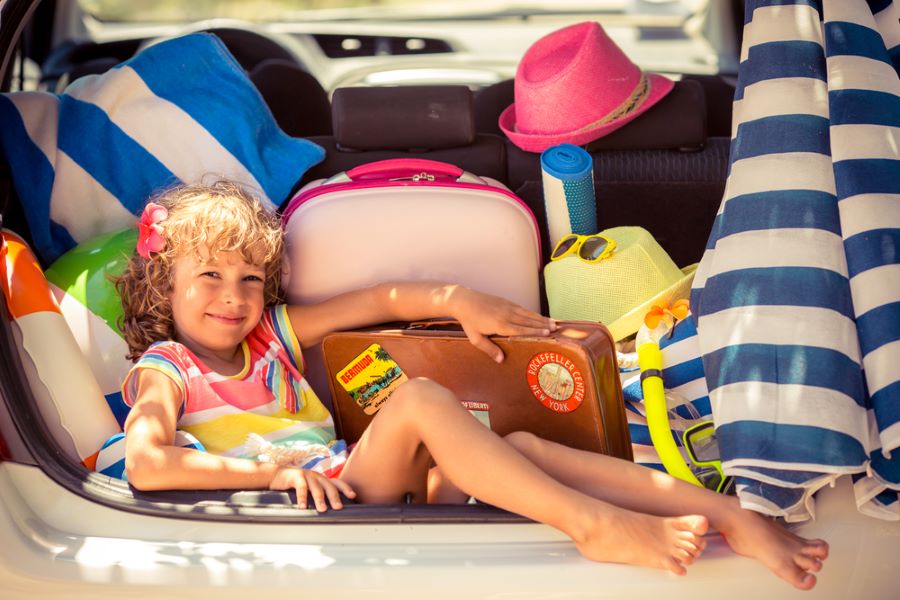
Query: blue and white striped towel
x,y
86,161
797,297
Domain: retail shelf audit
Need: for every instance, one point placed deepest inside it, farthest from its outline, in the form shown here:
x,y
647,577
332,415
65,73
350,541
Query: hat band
x,y
632,103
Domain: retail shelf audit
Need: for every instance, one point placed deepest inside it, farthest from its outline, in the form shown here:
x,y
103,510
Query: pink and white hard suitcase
x,y
410,220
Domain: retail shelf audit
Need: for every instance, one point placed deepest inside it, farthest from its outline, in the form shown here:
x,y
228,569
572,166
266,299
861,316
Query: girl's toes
x,y
672,564
798,577
816,549
696,524
683,556
808,563
691,548
697,541
807,581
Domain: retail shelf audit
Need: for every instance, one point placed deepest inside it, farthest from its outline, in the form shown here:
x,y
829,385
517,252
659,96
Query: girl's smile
x,y
216,301
228,320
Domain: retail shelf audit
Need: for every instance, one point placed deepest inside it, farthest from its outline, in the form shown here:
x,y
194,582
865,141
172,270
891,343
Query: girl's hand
x,y
482,315
316,484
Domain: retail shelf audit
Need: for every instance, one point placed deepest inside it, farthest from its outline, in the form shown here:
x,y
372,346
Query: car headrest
x,y
297,100
678,121
403,117
95,66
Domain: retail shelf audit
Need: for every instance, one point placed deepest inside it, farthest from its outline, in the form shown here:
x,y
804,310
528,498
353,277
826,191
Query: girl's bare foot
x,y
622,536
789,556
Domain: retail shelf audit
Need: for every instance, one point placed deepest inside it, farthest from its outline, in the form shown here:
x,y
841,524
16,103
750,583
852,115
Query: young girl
x,y
218,357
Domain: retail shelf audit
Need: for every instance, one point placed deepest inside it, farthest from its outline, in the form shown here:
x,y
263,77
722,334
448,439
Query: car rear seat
x,y
659,171
297,100
433,122
716,94
674,195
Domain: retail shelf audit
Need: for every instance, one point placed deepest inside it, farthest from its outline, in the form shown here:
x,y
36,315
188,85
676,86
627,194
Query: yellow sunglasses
x,y
589,248
703,450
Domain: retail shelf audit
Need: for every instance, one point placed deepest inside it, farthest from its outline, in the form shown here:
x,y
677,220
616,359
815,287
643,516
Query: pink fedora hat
x,y
576,85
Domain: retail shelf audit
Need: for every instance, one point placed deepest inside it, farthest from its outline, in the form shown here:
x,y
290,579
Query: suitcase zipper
x,y
416,177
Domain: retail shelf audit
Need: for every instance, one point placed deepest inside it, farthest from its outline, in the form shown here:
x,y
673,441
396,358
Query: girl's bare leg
x,y
442,491
645,490
391,460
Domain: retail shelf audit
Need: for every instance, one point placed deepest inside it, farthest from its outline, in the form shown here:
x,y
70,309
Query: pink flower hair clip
x,y
150,237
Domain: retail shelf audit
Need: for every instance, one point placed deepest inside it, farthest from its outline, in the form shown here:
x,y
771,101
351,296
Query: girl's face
x,y
216,302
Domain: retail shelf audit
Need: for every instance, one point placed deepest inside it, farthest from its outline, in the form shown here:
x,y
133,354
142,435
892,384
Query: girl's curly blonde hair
x,y
220,217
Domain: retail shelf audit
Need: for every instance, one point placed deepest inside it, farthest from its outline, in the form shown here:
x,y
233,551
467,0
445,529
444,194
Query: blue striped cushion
x,y
180,111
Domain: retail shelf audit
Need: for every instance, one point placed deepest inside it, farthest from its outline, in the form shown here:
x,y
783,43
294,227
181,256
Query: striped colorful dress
x,y
267,412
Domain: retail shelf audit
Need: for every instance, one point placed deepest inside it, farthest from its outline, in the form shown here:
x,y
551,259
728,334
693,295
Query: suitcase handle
x,y
397,168
414,169
444,324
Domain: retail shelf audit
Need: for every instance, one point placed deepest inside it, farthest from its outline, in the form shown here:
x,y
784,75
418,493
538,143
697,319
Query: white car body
x,y
57,544
88,539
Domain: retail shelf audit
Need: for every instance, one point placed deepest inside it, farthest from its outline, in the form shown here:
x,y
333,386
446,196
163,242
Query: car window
x,y
471,42
648,11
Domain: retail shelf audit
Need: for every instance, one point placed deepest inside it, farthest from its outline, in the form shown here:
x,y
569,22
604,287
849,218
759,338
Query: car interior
x,y
664,171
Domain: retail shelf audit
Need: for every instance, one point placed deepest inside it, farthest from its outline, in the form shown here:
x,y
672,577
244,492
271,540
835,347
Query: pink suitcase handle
x,y
404,168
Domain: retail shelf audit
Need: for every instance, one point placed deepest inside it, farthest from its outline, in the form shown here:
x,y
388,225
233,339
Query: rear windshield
x,y
286,10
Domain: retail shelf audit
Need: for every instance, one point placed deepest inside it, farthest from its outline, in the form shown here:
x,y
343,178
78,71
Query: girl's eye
x,y
209,274
253,278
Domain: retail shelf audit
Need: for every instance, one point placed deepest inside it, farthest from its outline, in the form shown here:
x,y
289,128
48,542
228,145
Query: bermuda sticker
x,y
371,378
479,410
555,381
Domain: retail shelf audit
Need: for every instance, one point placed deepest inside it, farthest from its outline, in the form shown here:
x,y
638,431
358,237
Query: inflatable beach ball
x,y
81,281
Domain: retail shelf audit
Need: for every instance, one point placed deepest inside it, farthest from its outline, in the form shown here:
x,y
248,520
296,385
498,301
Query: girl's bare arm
x,y
152,462
480,314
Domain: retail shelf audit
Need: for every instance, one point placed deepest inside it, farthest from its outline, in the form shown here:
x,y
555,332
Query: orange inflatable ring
x,y
68,396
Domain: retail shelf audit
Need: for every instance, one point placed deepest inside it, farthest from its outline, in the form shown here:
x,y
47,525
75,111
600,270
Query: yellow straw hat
x,y
617,291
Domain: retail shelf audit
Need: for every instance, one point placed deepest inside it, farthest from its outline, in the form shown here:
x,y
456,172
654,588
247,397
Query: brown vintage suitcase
x,y
564,387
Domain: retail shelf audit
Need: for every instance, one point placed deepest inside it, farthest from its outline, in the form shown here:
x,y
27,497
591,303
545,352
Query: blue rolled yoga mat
x,y
568,176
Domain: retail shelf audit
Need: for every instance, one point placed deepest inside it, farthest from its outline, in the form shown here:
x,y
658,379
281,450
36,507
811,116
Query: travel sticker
x,y
479,410
555,381
371,378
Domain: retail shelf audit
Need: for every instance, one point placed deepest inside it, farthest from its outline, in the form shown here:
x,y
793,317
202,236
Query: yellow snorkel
x,y
650,363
